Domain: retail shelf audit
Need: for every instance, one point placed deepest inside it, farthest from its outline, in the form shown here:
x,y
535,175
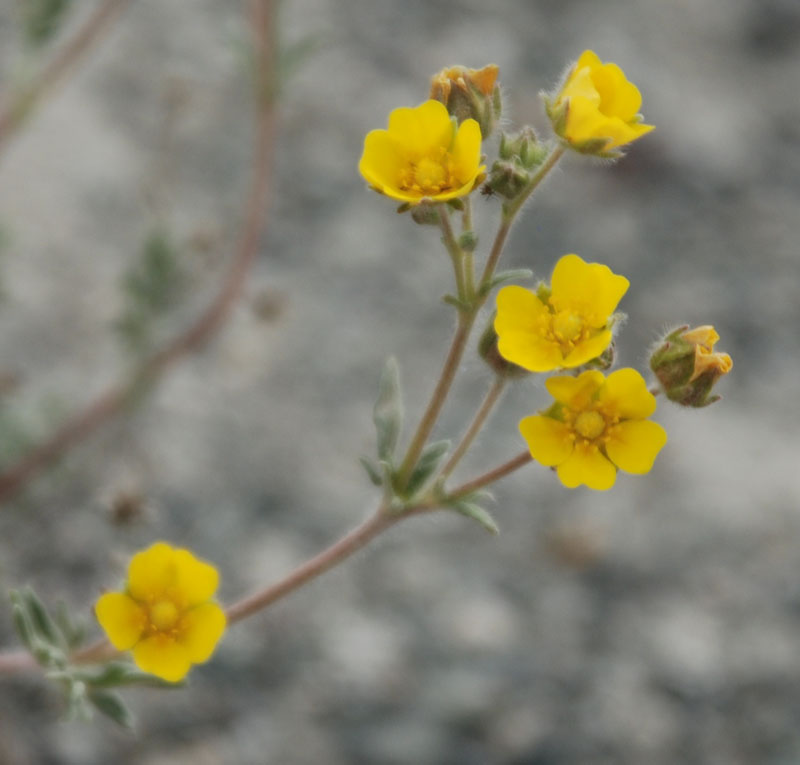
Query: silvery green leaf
x,y
41,620
477,513
505,276
388,411
22,622
111,705
372,471
430,459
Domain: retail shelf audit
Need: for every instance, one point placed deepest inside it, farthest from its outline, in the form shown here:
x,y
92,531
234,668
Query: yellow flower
x,y
564,327
596,110
597,425
165,614
423,155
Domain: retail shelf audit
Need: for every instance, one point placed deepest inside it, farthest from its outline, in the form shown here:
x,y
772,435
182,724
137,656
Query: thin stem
x,y
492,395
420,438
510,212
456,255
20,106
490,477
467,319
319,564
466,216
115,400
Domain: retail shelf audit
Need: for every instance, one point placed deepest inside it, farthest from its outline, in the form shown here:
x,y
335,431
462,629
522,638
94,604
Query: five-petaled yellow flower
x,y
596,110
423,155
565,328
165,614
597,425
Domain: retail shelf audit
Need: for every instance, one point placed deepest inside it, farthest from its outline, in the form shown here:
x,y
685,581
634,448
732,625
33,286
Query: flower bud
x,y
470,93
687,366
519,153
487,350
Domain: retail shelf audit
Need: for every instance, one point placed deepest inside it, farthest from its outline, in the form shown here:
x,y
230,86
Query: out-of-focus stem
x,y
65,61
115,400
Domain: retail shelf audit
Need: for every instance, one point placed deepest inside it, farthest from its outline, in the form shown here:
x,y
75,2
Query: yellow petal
x,y
618,97
635,444
151,572
590,289
202,627
549,440
196,580
122,618
625,394
162,656
421,129
530,351
581,85
466,151
519,310
589,349
587,465
381,161
588,58
576,392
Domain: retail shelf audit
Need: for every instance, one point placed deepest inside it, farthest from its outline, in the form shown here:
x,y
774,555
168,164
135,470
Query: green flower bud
x,y
687,366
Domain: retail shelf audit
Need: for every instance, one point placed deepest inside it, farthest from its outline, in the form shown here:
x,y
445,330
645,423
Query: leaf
x,y
372,471
43,19
41,620
22,622
388,413
454,301
112,706
477,513
430,459
120,673
504,276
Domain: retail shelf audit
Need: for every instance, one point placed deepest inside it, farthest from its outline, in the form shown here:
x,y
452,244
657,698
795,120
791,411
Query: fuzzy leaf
x,y
430,459
372,471
504,276
112,706
388,411
477,513
41,620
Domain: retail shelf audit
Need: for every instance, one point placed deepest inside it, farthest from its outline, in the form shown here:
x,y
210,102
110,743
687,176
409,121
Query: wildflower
x,y
688,367
596,110
595,426
563,326
469,93
423,156
165,615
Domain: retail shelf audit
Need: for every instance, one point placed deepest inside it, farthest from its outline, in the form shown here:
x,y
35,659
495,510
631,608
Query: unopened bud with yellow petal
x,y
595,111
470,94
688,367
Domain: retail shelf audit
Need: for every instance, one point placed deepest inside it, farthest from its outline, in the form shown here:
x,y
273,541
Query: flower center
x,y
567,326
163,615
429,175
590,425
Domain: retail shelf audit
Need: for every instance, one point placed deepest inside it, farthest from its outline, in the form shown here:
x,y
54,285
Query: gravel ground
x,y
655,623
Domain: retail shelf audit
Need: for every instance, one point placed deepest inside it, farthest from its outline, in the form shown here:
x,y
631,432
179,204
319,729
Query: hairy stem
x,y
319,564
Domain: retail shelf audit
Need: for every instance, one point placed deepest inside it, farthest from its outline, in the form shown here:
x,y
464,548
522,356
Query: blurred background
x,y
655,623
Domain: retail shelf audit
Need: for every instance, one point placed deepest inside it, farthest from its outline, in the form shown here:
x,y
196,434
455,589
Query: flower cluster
x,y
165,614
